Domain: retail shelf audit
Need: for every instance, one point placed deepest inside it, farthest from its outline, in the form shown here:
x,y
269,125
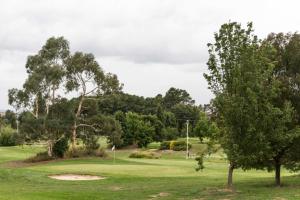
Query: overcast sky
x,y
151,45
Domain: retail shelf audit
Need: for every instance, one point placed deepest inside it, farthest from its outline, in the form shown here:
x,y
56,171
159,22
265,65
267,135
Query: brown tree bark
x,y
230,176
74,128
277,173
50,146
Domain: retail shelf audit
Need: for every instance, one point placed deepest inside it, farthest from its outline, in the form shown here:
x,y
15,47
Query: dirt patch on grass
x,y
75,177
161,194
279,198
21,163
115,188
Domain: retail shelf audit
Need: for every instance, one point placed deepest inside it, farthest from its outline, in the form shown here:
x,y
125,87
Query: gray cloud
x,y
155,44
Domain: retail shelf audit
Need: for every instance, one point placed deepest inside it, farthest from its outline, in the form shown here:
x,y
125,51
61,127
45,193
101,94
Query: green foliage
x,y
252,98
84,74
145,154
177,96
91,142
174,145
9,137
60,147
83,152
137,131
170,133
165,145
157,125
200,161
204,127
110,104
169,119
10,118
113,130
179,145
183,113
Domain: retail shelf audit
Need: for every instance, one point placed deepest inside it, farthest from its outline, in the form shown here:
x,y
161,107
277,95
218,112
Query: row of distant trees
x,y
69,96
256,83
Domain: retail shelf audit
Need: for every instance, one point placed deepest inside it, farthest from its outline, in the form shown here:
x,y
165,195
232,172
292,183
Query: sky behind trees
x,y
151,45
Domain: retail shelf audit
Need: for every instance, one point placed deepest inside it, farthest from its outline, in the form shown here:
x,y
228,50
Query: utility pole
x,y
187,139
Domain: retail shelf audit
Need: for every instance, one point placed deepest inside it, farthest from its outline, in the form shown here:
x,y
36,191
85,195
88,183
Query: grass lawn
x,y
170,177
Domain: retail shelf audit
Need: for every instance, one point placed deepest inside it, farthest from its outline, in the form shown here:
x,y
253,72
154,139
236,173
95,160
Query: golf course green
x,y
170,177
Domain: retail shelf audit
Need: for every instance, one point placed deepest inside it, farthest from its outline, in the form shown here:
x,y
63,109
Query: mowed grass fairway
x,y
170,177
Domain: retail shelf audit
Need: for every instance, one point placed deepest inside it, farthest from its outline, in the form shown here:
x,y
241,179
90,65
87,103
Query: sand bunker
x,y
76,177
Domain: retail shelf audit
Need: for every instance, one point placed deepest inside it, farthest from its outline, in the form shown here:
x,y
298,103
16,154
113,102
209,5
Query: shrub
x,y
8,137
179,146
60,147
165,145
39,157
83,152
145,154
91,143
174,145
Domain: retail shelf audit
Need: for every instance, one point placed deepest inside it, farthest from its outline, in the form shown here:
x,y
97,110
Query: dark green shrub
x,y
83,152
145,154
7,140
165,145
179,145
8,137
60,147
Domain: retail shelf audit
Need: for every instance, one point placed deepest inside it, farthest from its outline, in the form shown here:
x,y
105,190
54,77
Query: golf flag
x,y
113,148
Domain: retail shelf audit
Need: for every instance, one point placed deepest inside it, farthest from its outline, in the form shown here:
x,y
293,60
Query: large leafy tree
x,y
86,77
137,131
241,77
176,96
205,128
183,113
285,144
45,75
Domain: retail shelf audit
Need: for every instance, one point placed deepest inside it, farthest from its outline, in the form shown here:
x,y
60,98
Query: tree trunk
x,y
74,137
277,173
74,128
36,107
50,144
230,174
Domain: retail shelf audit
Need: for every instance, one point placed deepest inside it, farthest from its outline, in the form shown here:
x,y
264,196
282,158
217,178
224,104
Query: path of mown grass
x,y
171,177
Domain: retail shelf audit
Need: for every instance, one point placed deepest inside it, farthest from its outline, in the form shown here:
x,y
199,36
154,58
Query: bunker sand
x,y
75,177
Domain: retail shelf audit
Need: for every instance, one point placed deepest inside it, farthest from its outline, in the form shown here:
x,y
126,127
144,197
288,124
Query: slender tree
x,y
85,76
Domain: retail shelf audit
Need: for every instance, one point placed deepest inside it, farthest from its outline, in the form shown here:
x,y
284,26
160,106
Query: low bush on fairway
x,y
83,152
174,145
145,154
165,145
